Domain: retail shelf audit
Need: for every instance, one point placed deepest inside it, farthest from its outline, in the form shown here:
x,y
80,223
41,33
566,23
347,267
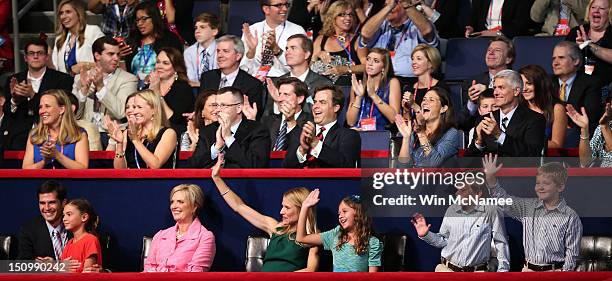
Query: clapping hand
x,y
404,126
48,150
358,87
133,129
155,82
272,90
306,137
287,108
490,127
114,132
581,120
250,38
249,111
420,224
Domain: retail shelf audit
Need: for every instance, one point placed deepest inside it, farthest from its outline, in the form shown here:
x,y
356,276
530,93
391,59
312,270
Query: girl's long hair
x,y
86,208
61,32
69,131
362,228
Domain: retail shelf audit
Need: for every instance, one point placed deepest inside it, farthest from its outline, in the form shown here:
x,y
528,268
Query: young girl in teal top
x,y
353,246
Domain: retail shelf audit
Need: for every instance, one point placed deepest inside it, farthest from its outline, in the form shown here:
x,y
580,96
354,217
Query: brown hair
x,y
511,53
211,19
177,61
446,118
86,208
362,228
200,104
542,88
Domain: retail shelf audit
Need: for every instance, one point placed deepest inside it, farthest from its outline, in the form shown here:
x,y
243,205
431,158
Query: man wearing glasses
x,y
266,40
22,95
245,143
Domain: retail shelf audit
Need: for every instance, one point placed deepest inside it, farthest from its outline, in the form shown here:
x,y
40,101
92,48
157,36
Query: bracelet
x,y
584,137
225,192
119,155
353,105
594,47
426,147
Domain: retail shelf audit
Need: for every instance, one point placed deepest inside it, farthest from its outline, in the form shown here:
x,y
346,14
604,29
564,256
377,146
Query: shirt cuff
x,y
480,147
301,157
502,138
317,149
275,108
213,152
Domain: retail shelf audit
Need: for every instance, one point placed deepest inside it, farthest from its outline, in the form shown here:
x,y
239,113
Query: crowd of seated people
x,y
276,89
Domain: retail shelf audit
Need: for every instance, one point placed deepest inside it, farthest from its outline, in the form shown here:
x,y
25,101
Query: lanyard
x,y
145,57
136,153
347,50
120,16
67,51
371,104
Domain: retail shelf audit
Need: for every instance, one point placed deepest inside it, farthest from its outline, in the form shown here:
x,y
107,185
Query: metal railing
x,y
17,15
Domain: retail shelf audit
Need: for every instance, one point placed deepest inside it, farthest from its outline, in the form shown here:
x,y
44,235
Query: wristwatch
x,y
419,8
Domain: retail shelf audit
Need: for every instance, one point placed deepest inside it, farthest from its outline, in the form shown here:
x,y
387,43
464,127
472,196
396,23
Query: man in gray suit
x,y
103,90
292,93
298,54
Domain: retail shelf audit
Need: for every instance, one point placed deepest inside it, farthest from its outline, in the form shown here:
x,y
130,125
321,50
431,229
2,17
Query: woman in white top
x,y
74,37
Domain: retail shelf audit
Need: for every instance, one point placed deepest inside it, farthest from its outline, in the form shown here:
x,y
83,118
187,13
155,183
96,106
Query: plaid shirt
x,y
115,24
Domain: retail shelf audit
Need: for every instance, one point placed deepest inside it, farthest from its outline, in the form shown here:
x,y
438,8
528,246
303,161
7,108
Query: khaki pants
x,y
444,268
525,269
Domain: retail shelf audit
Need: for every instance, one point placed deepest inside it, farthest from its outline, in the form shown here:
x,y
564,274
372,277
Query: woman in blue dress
x,y
375,101
56,141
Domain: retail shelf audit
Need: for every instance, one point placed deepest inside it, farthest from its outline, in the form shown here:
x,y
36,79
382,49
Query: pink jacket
x,y
194,252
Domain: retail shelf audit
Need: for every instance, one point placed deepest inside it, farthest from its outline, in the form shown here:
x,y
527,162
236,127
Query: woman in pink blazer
x,y
187,246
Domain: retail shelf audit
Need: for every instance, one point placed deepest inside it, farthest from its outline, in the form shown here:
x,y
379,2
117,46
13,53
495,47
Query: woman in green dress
x,y
283,254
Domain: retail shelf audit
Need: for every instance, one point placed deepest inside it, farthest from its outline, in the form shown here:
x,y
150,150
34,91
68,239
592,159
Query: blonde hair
x,y
61,32
586,12
159,116
555,171
296,197
333,11
193,195
432,54
69,131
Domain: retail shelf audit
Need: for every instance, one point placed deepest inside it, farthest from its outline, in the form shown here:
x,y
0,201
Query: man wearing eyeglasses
x,y
267,39
22,95
245,143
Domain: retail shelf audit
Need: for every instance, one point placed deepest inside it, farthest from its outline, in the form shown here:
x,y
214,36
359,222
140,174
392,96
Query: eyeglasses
x,y
345,15
280,5
224,106
141,19
34,54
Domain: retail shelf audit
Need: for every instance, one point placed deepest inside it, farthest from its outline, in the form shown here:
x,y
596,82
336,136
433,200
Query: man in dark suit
x,y
245,143
230,50
514,18
23,92
575,87
44,237
512,130
297,54
292,93
325,143
499,56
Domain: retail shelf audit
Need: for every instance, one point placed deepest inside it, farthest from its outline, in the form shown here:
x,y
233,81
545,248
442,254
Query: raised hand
x,y
312,199
249,111
219,143
468,31
272,90
193,132
581,120
287,108
475,90
607,115
216,169
155,82
358,87
581,35
489,163
420,224
250,38
404,126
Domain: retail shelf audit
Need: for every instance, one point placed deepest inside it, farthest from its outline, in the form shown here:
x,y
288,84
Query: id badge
x,y
589,68
392,54
262,72
368,124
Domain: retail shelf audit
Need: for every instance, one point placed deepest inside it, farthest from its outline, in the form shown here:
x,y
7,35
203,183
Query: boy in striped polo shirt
x,y
551,229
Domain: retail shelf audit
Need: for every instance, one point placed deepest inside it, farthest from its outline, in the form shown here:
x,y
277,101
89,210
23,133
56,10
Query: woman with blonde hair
x,y
284,253
336,54
376,100
56,141
425,61
148,141
74,38
187,246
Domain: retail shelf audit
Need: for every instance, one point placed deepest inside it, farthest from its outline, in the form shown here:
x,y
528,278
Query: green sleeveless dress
x,y
284,255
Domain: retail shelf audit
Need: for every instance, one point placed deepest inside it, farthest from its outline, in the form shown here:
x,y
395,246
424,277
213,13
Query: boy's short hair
x,y
211,19
556,171
486,94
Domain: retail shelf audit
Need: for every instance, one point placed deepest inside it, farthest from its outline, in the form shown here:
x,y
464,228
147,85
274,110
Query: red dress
x,y
80,250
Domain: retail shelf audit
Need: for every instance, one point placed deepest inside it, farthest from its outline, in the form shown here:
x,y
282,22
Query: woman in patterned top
x,y
600,147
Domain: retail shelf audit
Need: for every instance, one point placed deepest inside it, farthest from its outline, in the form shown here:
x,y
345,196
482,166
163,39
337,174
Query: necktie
x,y
205,61
58,246
392,40
312,161
562,91
266,54
281,140
504,124
223,82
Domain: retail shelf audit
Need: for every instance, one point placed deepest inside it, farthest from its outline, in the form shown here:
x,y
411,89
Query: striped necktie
x,y
504,124
58,246
281,140
205,61
562,91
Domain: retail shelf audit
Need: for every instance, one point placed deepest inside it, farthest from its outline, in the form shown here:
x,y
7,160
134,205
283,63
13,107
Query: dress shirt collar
x,y
509,115
561,207
234,127
327,127
295,116
301,77
230,78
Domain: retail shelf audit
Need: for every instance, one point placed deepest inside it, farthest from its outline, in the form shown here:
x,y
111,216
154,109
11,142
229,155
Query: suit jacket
x,y
118,88
251,149
35,241
341,149
17,125
273,123
524,136
515,16
249,85
585,92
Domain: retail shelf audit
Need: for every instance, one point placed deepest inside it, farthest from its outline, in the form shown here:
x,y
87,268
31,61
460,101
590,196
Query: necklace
x,y
341,38
179,234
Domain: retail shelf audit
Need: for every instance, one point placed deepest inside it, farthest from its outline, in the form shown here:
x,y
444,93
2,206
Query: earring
x,y
175,76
